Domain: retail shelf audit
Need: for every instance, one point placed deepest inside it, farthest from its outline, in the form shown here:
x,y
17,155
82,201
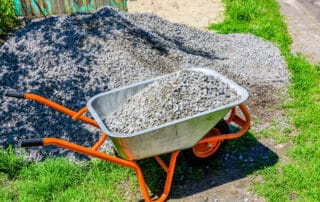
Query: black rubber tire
x,y
192,159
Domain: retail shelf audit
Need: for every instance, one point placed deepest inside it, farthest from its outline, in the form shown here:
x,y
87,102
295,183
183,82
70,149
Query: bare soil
x,y
197,14
303,19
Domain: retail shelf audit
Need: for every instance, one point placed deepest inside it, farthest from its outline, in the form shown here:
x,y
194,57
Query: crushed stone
x,y
71,58
176,96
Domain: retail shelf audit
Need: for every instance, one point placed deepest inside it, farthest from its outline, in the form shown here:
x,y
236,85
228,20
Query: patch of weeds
x,y
6,191
60,180
8,18
216,163
153,173
260,17
196,172
47,180
287,131
107,181
240,145
290,181
155,176
256,121
10,163
278,134
266,133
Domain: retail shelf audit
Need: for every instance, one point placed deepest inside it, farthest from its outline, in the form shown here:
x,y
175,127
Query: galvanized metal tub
x,y
176,135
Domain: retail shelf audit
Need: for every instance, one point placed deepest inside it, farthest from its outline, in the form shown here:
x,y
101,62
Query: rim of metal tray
x,y
240,90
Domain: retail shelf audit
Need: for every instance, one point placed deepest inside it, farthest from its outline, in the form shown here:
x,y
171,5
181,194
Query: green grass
x,y
298,179
8,19
279,132
60,180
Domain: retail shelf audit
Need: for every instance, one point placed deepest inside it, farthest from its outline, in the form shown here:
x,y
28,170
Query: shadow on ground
x,y
235,160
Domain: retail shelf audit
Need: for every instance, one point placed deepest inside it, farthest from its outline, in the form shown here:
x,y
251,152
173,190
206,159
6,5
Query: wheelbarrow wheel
x,y
203,153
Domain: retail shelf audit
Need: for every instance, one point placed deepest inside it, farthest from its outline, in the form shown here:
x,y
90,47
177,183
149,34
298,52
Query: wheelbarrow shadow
x,y
235,160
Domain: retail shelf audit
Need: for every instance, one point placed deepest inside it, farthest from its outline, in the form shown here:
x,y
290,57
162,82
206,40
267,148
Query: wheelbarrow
x,y
195,133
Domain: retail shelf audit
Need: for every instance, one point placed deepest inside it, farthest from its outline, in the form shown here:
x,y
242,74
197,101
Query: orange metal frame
x,y
169,169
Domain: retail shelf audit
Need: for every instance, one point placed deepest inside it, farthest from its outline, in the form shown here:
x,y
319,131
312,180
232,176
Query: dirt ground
x,y
303,19
198,13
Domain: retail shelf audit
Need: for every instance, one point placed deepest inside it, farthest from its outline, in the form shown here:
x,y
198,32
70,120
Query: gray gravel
x,y
179,95
71,58
245,58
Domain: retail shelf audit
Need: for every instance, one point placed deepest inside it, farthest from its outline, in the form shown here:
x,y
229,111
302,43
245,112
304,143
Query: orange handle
x,y
61,108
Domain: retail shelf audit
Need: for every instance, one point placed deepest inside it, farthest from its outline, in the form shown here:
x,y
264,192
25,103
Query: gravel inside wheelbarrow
x,y
72,58
182,94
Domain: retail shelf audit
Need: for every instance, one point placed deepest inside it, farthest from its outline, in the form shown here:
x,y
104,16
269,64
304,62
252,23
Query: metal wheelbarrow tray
x,y
175,135
196,132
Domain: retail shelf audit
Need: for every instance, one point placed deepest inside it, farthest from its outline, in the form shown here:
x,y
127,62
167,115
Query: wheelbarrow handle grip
x,y
13,93
32,142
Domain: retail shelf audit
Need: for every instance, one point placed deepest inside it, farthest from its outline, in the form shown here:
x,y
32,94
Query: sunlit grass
x,y
60,180
298,179
8,17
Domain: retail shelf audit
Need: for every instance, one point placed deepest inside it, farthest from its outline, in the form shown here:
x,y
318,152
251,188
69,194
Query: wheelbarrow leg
x,y
170,171
130,164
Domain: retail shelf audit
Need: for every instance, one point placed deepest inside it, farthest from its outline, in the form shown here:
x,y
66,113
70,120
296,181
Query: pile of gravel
x,y
179,95
71,58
